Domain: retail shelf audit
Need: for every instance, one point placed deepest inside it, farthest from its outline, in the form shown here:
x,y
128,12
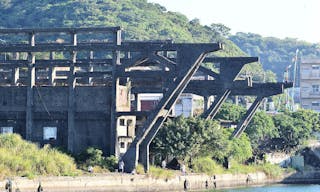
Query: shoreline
x,y
127,182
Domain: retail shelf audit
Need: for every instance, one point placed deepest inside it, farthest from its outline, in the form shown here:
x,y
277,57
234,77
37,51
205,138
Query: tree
x,y
220,29
293,131
309,118
231,112
185,138
240,149
260,129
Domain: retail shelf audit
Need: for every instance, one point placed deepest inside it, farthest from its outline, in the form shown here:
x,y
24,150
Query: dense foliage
x,y
94,157
22,158
186,138
295,128
285,131
261,129
230,112
275,54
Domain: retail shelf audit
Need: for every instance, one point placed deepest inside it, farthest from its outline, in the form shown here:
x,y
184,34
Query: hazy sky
x,y
279,18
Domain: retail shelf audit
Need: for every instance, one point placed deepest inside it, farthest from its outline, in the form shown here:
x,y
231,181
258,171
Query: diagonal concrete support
x,y
214,108
247,118
263,90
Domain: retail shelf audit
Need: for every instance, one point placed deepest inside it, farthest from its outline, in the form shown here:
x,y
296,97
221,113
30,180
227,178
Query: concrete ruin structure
x,y
79,87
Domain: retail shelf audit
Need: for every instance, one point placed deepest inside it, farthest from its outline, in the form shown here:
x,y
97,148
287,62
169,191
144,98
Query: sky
x,y
277,18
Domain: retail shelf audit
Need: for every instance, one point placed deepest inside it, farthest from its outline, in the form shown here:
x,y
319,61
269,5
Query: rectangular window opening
x,y
6,130
121,144
49,133
122,122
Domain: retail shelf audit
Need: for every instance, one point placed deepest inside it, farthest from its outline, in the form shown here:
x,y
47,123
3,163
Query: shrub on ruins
x,y
94,157
22,158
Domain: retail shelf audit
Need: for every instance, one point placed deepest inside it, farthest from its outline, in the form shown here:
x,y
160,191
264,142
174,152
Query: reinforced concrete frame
x,y
146,67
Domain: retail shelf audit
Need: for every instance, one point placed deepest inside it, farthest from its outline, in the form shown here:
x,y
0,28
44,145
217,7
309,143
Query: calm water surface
x,y
277,188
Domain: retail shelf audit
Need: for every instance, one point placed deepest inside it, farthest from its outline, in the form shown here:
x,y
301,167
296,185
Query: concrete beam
x,y
60,30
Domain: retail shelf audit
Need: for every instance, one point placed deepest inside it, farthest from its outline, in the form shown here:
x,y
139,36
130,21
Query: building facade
x,y
310,84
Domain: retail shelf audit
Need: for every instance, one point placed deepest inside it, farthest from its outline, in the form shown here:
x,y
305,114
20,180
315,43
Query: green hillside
x,y
139,19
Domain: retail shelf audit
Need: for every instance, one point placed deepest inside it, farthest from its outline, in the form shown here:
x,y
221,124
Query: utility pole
x,y
293,89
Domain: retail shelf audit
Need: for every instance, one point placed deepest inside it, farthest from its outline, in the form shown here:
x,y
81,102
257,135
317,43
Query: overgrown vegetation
x,y
187,138
22,158
94,157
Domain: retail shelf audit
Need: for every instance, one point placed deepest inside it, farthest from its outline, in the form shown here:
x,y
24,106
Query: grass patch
x,y
159,173
272,171
207,165
140,169
210,167
22,158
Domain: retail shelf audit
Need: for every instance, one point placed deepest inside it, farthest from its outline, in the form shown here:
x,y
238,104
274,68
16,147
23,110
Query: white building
x,y
310,84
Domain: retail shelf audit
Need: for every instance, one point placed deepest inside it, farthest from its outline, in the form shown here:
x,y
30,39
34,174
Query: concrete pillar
x,y
114,145
52,71
206,102
236,100
71,98
90,69
15,71
136,102
30,85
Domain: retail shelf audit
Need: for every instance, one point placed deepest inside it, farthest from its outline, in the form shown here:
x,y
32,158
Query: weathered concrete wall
x,y
127,182
92,114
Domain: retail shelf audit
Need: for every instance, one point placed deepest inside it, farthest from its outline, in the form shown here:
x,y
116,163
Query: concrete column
x,y
206,102
52,71
15,71
30,85
136,102
236,100
71,99
74,39
114,145
90,69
